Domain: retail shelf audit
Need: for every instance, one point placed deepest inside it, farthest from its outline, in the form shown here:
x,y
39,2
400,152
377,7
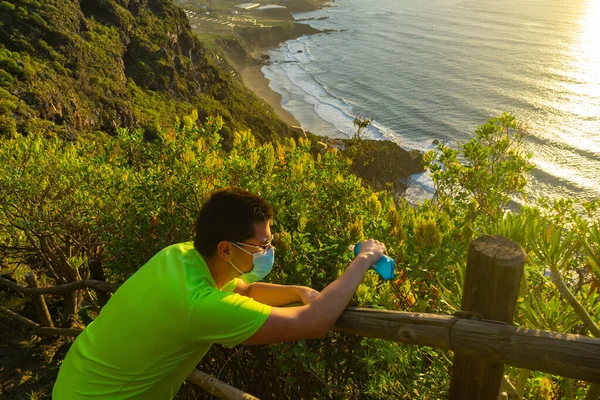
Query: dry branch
x,y
37,328
60,289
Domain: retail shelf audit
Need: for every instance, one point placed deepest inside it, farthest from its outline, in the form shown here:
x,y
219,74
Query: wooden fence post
x,y
494,269
97,273
40,303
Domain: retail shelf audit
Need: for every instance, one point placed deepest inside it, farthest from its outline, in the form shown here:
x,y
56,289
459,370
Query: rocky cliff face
x,y
78,66
383,164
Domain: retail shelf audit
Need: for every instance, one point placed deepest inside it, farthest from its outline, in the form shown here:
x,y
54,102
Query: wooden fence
x,y
481,335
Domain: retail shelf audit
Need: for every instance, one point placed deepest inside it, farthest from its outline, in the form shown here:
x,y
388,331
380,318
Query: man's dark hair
x,y
229,214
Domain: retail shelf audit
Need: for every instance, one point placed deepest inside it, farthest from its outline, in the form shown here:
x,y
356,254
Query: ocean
x,y
436,69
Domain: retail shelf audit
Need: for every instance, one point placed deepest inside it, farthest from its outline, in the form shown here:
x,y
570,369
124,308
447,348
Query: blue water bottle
x,y
384,266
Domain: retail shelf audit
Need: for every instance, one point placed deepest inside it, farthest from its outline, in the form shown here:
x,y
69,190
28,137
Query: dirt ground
x,y
28,363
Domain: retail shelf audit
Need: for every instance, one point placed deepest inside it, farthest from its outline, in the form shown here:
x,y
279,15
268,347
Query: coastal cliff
x,y
69,67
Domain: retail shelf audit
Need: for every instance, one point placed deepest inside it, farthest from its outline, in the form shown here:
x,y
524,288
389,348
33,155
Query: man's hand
x,y
372,249
307,294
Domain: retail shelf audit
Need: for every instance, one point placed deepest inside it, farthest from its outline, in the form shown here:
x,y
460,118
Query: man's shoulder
x,y
183,252
178,248
176,262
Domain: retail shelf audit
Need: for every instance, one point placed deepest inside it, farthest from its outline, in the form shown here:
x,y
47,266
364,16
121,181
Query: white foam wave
x,y
289,76
420,188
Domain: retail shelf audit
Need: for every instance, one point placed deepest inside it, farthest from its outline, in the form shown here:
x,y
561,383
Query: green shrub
x,y
7,106
8,127
9,64
6,6
494,169
123,198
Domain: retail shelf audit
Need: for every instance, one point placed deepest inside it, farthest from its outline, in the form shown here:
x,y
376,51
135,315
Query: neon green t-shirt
x,y
155,329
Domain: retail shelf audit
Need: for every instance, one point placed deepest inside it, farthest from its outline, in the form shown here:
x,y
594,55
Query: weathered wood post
x,y
494,270
97,273
40,303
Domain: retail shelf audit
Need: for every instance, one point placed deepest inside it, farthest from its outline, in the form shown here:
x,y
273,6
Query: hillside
x,y
71,67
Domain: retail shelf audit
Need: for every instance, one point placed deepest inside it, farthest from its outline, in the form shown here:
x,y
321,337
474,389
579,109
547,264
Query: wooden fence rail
x,y
572,356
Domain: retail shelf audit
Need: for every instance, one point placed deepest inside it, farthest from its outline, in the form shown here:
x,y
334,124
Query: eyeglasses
x,y
262,247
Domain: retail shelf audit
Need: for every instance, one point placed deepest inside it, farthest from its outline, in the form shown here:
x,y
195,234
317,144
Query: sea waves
x,y
435,70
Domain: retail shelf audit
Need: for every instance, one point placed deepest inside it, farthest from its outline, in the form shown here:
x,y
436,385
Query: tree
x,y
480,177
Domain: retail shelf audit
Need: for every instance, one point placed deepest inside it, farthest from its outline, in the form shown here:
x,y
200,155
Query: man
x,y
164,318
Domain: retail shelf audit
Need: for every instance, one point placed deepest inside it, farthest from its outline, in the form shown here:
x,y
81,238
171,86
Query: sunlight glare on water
x,y
584,74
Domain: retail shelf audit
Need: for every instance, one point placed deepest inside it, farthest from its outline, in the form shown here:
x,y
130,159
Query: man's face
x,y
242,256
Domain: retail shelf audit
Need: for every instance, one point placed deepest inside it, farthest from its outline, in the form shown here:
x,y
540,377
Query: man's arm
x,y
317,318
276,295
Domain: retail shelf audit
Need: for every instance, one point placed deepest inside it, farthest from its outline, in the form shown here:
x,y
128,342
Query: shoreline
x,y
256,81
249,62
246,42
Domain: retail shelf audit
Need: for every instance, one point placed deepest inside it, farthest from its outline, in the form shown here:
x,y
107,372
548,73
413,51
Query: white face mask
x,y
263,264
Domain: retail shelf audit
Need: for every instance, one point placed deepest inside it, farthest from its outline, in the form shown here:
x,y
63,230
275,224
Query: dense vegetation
x,y
122,199
85,84
70,67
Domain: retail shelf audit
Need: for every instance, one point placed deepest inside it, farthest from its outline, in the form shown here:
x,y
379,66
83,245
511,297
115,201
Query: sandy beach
x,y
255,80
252,42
